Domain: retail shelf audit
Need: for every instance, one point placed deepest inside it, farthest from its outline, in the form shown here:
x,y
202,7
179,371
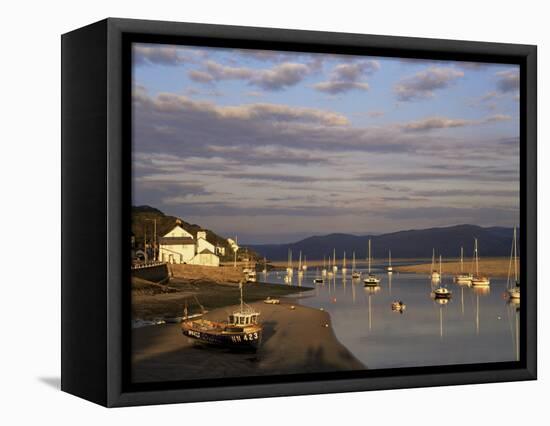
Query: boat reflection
x,y
371,291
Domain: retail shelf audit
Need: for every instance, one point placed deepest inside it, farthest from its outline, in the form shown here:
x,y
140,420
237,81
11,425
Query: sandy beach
x,y
299,340
495,267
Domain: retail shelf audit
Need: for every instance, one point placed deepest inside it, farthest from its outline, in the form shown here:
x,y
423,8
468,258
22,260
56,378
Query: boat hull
x,y
514,294
480,282
249,340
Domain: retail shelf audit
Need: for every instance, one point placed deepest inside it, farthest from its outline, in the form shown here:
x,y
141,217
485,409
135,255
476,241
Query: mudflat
x,y
296,339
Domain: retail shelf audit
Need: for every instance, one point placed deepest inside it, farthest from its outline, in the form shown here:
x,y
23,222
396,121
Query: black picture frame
x,y
96,200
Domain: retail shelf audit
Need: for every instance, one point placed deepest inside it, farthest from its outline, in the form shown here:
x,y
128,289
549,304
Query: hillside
x,y
493,241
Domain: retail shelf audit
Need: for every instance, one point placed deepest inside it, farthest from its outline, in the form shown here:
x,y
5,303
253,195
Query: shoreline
x,y
299,340
495,267
167,302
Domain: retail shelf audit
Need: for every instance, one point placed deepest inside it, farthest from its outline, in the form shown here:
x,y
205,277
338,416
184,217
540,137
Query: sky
x,y
277,146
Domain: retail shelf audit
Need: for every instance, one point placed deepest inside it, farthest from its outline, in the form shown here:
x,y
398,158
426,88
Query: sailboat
x,y
436,276
300,270
249,271
513,288
330,268
441,292
334,267
477,279
324,270
344,269
318,279
304,266
289,270
389,268
265,267
463,278
370,279
354,273
241,330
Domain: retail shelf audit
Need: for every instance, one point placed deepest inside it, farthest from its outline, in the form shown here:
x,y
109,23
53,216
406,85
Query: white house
x,y
179,246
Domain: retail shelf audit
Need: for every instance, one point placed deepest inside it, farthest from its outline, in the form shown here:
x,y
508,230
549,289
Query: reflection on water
x,y
475,325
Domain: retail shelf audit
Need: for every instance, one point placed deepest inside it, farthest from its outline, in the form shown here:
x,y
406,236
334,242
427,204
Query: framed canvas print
x,y
252,212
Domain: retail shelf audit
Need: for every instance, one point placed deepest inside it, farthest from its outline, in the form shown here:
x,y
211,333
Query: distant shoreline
x,y
496,267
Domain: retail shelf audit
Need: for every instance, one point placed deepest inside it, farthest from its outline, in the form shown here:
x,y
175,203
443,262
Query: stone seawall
x,y
158,273
221,274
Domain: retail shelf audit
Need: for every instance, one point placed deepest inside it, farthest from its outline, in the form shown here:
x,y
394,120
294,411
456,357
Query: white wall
x,y
204,244
30,176
182,253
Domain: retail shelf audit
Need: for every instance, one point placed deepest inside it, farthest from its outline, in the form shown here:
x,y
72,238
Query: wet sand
x,y
294,341
169,301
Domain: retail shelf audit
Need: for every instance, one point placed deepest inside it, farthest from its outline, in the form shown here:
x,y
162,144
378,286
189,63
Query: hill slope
x,y
493,241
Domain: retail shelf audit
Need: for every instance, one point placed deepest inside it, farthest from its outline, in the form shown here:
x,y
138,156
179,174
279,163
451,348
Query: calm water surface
x,y
475,325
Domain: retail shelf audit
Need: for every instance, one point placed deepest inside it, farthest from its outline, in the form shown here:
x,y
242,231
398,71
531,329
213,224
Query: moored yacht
x,y
370,280
355,274
463,278
513,286
478,279
434,274
441,292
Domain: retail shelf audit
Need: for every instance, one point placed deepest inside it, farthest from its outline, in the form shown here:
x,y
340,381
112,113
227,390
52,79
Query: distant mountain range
x,y
493,241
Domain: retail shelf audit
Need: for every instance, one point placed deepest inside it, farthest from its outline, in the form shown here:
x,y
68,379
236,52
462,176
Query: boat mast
x,y
476,257
433,259
515,256
461,259
344,264
290,260
390,258
300,261
440,267
369,255
241,288
353,263
334,257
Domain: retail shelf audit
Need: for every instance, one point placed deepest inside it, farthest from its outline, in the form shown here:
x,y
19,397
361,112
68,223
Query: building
x,y
179,246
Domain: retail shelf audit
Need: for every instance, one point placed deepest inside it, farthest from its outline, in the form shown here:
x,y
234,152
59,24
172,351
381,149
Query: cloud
x,y
470,192
260,132
335,87
423,84
345,77
272,177
376,114
465,174
432,123
158,54
483,215
276,78
281,76
172,103
508,81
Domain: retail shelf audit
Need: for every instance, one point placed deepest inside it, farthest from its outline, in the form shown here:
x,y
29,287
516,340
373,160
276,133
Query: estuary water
x,y
475,326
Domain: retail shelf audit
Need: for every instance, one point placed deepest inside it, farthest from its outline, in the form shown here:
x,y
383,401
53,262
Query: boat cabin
x,y
242,318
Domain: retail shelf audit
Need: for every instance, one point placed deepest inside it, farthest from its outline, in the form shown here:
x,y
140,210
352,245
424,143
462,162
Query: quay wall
x,y
155,273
